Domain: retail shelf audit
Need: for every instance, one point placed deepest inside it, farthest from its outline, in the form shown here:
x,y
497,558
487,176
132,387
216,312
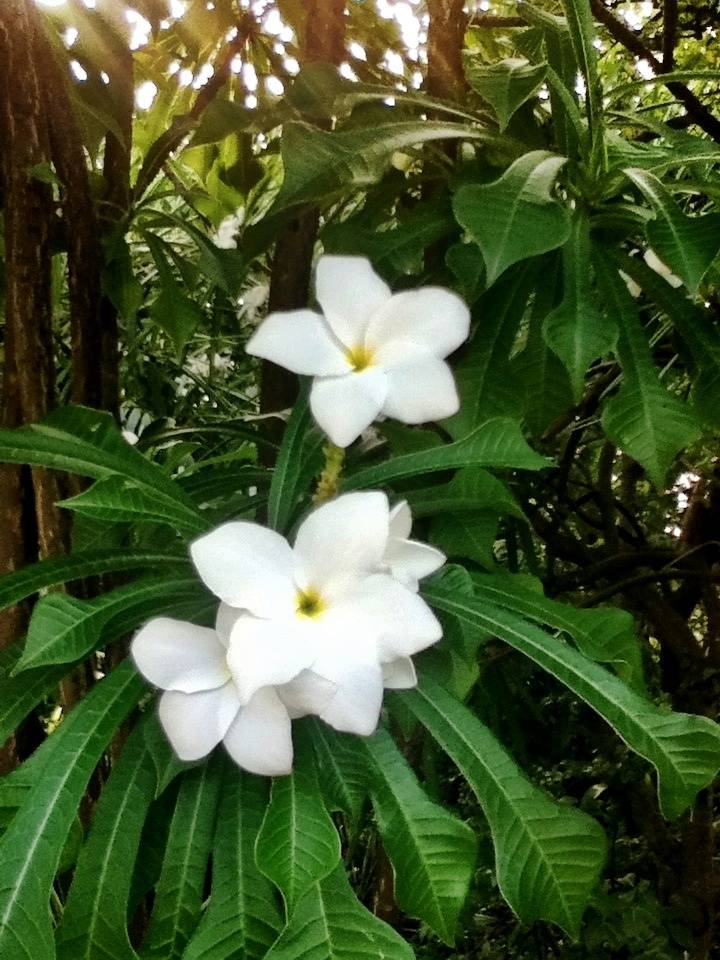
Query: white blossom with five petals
x,y
319,628
371,352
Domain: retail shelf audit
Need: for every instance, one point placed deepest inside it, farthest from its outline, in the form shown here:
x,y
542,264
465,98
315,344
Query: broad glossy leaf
x,y
94,921
243,917
688,245
31,848
548,856
180,890
18,695
506,85
297,844
643,418
121,500
683,748
482,374
342,770
577,330
432,852
64,629
515,217
20,584
471,490
468,535
497,443
320,165
176,314
330,923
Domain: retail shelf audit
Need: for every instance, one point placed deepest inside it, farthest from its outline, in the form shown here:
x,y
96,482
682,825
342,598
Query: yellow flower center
x,y
360,357
309,603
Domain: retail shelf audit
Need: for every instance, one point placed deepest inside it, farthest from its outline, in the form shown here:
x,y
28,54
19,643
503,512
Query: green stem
x,y
329,480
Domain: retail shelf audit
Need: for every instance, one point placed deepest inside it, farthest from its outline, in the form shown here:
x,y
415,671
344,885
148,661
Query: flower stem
x,y
329,480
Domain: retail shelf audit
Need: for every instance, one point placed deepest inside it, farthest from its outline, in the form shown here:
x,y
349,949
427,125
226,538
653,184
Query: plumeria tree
x,y
359,480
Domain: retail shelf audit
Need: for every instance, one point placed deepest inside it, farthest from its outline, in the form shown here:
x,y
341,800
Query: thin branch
x,y
670,26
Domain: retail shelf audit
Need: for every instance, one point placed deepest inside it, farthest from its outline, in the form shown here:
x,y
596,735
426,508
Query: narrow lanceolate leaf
x,y
285,487
432,852
497,443
18,695
86,442
482,375
243,917
687,245
64,629
576,330
330,923
515,217
342,770
123,500
21,584
605,634
506,85
180,891
94,921
643,418
297,843
582,34
31,848
548,856
683,748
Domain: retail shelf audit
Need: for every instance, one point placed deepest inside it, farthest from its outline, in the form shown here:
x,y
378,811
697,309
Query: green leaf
x,y
342,770
515,217
87,442
94,921
582,34
576,330
605,634
482,374
330,923
31,848
20,584
180,890
467,535
121,500
471,490
642,419
176,314
63,629
497,443
243,918
301,442
506,85
688,245
432,852
297,843
18,695
548,856
684,749
321,165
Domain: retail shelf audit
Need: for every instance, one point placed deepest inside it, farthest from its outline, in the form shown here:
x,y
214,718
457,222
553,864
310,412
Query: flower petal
x,y
196,722
341,540
176,655
349,292
420,389
247,566
260,739
399,619
265,653
345,406
308,693
399,674
409,561
298,340
225,621
355,708
400,520
430,318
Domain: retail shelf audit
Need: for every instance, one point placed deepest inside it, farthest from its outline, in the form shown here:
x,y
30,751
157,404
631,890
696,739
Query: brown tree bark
x,y
446,34
323,41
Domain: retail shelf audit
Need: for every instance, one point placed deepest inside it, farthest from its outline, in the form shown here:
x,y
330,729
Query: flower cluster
x,y
320,627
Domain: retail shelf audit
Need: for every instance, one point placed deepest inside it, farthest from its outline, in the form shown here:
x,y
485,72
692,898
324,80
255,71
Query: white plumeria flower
x,y
656,264
202,706
324,608
371,352
408,560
